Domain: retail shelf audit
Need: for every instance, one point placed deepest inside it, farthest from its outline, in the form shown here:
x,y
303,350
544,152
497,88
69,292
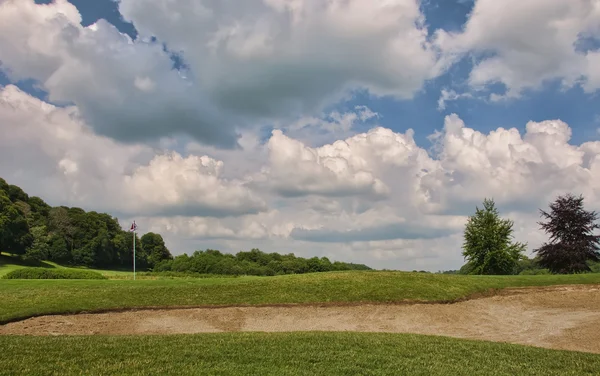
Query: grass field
x,y
27,298
283,354
340,353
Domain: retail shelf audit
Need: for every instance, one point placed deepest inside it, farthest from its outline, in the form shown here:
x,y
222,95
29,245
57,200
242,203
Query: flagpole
x,y
134,254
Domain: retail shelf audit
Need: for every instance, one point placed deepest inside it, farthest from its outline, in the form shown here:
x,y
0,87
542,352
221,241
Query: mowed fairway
x,y
27,298
311,349
283,354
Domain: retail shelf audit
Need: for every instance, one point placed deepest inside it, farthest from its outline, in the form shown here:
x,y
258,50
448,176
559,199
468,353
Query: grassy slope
x,y
26,298
9,263
283,354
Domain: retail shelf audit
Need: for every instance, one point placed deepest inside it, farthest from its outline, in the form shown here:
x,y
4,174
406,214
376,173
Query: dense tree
x,y
33,229
15,236
3,186
155,249
16,194
58,250
40,248
572,241
60,224
253,262
487,242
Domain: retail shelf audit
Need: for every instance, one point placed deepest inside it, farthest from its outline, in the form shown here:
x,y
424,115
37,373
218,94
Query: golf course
x,y
357,322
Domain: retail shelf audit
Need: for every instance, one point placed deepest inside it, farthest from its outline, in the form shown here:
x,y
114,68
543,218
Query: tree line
x,y
572,245
254,262
36,231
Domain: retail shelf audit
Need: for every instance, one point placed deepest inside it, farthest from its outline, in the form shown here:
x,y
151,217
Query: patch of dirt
x,y
566,317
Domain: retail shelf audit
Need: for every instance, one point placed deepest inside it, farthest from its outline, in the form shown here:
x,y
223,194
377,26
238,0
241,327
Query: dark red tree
x,y
572,240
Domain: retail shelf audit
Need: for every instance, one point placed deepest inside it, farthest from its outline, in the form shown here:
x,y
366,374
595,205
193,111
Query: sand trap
x,y
565,317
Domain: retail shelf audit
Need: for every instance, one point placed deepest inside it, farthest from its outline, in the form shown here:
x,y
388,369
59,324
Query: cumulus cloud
x,y
53,146
523,44
260,61
518,171
324,129
295,170
172,184
125,89
301,51
375,197
332,183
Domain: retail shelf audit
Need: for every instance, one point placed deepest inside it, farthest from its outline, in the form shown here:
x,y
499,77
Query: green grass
x,y
45,273
9,263
27,298
283,354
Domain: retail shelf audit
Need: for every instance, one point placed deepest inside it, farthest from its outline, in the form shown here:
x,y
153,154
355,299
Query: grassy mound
x,y
9,263
26,298
284,354
43,273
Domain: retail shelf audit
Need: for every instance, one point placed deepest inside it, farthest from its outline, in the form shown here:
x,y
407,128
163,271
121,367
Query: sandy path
x,y
560,317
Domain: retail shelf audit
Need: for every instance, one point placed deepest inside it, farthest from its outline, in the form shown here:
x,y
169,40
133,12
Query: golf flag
x,y
133,226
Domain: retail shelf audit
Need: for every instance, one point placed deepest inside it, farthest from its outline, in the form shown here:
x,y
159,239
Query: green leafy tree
x,y
4,186
39,249
16,194
154,247
572,241
62,225
58,250
15,236
487,242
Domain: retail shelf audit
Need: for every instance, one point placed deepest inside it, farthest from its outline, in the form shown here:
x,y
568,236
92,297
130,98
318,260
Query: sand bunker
x,y
565,317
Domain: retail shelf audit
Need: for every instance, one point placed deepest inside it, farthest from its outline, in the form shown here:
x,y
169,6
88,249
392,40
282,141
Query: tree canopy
x,y
572,244
487,242
36,231
253,262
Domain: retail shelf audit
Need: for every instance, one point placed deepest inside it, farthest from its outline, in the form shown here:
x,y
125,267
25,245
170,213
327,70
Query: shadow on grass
x,y
8,259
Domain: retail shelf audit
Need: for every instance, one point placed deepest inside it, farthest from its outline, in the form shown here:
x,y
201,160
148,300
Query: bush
x,y
45,273
594,266
535,272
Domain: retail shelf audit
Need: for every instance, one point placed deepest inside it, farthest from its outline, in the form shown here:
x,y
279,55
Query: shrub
x,y
535,272
45,273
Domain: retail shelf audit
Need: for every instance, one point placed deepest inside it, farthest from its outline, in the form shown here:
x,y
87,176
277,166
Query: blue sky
x,y
274,73
581,111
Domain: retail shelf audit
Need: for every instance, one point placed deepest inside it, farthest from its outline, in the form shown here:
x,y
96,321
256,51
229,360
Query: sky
x,y
359,130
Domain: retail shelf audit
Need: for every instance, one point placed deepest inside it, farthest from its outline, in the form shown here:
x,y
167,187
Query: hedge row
x,y
45,273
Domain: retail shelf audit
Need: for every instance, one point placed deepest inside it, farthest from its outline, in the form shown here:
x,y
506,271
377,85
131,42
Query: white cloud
x,y
192,185
450,95
52,146
296,170
329,183
517,171
320,130
414,222
527,43
125,89
260,61
303,50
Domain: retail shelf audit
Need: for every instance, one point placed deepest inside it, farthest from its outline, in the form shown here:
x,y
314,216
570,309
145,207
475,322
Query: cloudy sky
x,y
361,130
